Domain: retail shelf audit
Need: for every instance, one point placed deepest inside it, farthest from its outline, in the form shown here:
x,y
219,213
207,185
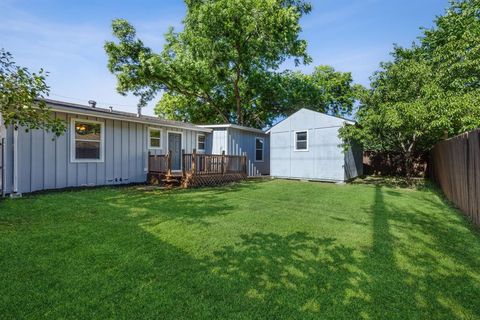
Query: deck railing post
x,y
183,162
223,162
169,162
149,165
245,171
194,156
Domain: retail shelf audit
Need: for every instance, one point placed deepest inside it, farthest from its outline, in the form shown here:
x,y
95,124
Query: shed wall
x,y
324,159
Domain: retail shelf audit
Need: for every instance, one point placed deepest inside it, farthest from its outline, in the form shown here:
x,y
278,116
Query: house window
x,y
259,149
301,141
87,141
154,138
201,142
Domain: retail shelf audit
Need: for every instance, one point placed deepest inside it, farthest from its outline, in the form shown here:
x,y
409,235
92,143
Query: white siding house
x,y
100,147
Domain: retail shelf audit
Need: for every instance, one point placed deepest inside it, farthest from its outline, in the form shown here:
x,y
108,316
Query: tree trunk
x,y
237,97
408,160
409,166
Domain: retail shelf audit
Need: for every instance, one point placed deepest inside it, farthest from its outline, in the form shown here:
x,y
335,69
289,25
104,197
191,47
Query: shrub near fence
x,y
456,169
392,164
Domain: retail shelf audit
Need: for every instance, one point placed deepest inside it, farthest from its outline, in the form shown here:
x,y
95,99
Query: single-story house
x,y
100,147
307,146
238,140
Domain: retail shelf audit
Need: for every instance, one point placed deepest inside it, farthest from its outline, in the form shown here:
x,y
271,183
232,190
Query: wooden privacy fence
x,y
197,169
456,169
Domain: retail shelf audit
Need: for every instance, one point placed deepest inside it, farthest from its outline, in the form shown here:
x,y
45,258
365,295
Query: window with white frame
x,y
154,138
201,142
301,141
87,140
259,144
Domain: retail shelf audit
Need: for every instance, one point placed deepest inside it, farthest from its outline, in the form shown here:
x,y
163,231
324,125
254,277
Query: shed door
x,y
175,146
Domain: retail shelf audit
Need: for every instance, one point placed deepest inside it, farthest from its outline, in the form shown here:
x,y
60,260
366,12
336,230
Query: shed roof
x,y
305,109
119,115
235,126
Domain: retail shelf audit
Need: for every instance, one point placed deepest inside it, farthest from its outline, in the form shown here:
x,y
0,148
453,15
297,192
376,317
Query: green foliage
x,y
20,97
325,90
428,91
256,250
219,61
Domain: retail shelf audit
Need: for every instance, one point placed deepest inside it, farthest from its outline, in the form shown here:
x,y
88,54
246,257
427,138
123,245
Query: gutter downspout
x,y
2,152
2,155
226,141
15,193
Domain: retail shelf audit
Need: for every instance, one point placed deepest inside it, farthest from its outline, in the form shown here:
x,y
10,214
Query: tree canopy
x,y
21,94
428,91
219,64
324,90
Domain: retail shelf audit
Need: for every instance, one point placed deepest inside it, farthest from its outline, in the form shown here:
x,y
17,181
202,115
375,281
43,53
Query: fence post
x,y
194,156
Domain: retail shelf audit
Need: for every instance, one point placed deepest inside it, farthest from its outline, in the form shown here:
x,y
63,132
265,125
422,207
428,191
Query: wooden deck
x,y
198,169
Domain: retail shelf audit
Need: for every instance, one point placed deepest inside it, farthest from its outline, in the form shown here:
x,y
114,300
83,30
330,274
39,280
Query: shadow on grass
x,y
193,206
413,273
110,266
393,182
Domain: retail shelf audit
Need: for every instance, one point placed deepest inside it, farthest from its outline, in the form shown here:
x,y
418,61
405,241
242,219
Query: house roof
x,y
322,113
119,115
234,126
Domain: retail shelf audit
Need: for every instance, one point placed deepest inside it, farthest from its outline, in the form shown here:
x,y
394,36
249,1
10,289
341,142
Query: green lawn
x,y
275,249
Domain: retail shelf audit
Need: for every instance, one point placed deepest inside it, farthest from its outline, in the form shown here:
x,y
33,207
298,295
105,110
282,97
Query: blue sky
x,y
66,38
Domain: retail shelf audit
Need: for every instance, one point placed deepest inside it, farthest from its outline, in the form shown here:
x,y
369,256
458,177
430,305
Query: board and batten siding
x,y
325,158
243,142
238,142
44,160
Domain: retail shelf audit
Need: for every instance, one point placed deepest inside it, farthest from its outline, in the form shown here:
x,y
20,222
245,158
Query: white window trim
x,y
204,142
295,141
149,140
73,140
263,149
182,147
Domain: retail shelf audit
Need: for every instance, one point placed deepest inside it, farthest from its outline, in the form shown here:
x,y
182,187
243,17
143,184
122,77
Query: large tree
x,y
428,91
220,63
324,90
21,94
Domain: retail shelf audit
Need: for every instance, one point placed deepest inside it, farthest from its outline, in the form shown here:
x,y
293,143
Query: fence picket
x,y
456,169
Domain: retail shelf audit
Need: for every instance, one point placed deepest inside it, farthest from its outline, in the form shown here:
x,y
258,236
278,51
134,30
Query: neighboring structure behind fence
x,y
456,169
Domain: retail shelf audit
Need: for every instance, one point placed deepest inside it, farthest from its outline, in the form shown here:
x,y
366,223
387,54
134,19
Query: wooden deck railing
x,y
159,163
205,164
199,164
